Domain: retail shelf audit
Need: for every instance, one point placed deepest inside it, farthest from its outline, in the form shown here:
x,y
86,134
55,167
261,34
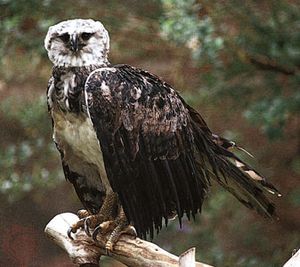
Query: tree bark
x,y
133,252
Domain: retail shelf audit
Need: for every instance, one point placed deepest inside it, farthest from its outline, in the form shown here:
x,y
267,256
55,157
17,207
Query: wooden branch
x,y
188,258
133,252
294,261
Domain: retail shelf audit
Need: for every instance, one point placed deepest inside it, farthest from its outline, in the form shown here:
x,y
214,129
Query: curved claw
x,y
130,230
96,231
86,226
69,232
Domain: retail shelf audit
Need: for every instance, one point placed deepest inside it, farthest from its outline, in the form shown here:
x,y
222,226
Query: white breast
x,y
79,134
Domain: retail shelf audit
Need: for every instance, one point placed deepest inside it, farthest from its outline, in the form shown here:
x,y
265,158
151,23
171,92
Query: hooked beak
x,y
74,42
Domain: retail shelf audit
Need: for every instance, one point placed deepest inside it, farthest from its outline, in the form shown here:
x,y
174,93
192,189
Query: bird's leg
x,y
88,221
122,227
105,213
116,228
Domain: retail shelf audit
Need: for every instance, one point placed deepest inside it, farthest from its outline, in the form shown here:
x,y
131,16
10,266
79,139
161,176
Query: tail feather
x,y
237,177
244,167
246,190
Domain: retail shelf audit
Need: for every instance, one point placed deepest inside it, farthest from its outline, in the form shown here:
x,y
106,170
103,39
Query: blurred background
x,y
236,62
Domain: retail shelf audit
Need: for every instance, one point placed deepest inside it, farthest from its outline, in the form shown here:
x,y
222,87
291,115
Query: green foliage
x,y
30,115
21,172
252,51
182,25
23,32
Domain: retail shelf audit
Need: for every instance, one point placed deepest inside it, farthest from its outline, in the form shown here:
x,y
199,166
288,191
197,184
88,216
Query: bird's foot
x,y
91,221
115,229
103,225
82,214
87,222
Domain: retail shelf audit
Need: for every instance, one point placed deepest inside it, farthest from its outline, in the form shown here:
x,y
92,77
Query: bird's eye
x,y
64,37
86,35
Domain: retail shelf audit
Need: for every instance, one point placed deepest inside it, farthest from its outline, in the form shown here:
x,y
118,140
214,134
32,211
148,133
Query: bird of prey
x,y
136,153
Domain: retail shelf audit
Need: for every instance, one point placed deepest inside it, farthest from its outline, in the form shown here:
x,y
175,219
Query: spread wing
x,y
158,152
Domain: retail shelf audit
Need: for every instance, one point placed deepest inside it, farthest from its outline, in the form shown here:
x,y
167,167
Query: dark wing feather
x,y
147,145
158,152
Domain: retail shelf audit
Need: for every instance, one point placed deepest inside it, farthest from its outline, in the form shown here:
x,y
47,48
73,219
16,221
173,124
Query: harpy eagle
x,y
134,150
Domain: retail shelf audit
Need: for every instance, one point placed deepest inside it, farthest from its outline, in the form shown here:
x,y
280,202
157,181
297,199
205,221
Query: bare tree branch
x,y
133,252
265,63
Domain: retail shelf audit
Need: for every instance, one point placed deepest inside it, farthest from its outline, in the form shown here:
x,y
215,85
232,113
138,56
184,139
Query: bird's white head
x,y
77,43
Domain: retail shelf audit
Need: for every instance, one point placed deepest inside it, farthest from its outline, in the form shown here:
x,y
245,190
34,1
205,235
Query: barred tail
x,y
244,167
237,177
